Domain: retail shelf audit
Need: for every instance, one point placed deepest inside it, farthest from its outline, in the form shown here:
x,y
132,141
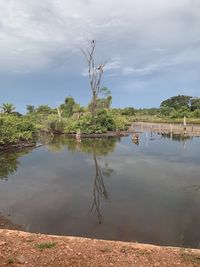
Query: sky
x,y
152,50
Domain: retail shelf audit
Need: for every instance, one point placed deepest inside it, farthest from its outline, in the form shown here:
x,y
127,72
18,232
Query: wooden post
x,y
151,129
171,128
184,125
78,136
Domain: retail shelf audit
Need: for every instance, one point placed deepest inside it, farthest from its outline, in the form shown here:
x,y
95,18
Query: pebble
x,y
21,259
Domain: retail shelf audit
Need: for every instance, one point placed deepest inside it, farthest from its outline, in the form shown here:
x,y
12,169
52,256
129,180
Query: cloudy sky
x,y
152,48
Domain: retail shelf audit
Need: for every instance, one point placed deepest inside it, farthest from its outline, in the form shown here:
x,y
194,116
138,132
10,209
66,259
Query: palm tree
x,y
8,108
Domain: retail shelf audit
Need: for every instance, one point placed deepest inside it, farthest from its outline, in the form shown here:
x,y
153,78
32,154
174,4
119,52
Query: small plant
x,y
47,245
10,261
106,250
125,249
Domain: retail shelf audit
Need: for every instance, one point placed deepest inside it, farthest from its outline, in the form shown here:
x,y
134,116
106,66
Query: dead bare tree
x,y
95,73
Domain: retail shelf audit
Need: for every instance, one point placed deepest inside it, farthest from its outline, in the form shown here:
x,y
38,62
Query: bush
x,y
120,121
54,125
104,121
196,113
15,129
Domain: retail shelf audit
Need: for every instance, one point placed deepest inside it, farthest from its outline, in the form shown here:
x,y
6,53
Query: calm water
x,y
109,189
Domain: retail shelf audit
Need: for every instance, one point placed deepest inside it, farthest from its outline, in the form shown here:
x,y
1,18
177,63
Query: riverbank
x,y
19,146
26,145
166,128
26,249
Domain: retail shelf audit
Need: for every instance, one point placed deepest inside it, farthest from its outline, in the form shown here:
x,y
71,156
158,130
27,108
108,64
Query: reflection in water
x,y
96,147
99,188
154,190
9,162
103,146
179,137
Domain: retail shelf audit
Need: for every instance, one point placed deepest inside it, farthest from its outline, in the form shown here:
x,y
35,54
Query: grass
x,y
47,245
125,249
10,261
157,119
106,250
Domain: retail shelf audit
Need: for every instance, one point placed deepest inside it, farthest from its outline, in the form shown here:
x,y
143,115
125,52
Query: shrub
x,y
102,122
196,113
15,129
54,125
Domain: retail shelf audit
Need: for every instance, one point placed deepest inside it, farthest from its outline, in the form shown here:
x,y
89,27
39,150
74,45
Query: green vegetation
x,y
15,130
42,246
71,118
171,110
10,261
8,108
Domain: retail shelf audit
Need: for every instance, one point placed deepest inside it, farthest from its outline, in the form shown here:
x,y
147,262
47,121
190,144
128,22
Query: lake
x,y
107,188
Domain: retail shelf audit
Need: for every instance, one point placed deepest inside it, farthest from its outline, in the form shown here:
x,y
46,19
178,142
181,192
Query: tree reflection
x,y
99,190
9,162
96,148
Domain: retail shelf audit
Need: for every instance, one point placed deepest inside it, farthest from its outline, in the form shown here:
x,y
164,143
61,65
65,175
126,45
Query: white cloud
x,y
141,71
37,35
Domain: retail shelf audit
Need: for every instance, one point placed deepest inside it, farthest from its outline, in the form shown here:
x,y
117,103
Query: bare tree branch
x,y
95,73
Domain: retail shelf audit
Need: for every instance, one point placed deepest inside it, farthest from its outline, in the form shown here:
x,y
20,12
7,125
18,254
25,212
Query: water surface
x,y
107,188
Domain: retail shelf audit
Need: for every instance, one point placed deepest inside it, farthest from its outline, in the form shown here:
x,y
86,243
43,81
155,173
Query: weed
x,y
125,249
106,250
42,246
10,261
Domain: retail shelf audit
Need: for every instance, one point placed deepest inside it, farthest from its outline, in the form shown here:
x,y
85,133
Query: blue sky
x,y
152,50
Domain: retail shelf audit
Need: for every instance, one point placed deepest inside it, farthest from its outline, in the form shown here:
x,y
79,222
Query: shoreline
x,y
29,249
13,147
20,248
20,146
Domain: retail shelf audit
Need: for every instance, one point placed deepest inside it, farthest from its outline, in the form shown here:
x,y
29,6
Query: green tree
x,y
69,107
195,103
30,109
44,109
129,111
177,102
8,108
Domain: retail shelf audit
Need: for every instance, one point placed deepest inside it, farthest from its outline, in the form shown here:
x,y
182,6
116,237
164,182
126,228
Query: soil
x,y
19,248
